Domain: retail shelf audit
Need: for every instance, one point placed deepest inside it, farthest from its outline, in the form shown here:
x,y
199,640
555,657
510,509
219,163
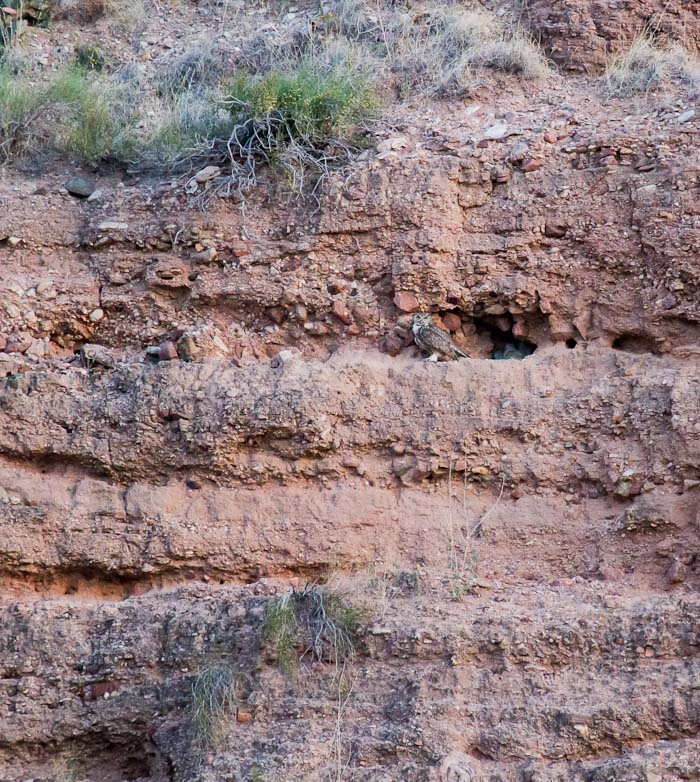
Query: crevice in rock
x,y
505,344
58,464
635,343
128,760
93,584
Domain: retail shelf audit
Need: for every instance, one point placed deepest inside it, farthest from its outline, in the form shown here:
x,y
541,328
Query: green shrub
x,y
21,107
314,106
90,58
302,121
94,121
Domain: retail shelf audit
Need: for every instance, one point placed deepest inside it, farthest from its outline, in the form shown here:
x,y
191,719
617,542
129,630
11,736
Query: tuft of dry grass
x,y
435,49
685,64
462,40
647,64
511,53
311,622
129,15
374,588
216,692
197,69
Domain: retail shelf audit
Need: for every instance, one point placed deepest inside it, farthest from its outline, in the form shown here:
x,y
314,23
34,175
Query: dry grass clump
x,y
216,693
129,15
511,53
647,64
435,49
311,622
374,588
461,39
102,117
432,49
197,68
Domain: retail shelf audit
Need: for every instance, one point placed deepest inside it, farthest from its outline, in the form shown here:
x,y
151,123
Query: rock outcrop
x,y
581,36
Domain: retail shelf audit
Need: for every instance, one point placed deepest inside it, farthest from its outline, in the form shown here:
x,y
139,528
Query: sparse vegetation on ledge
x,y
434,49
647,64
311,622
300,119
438,50
294,102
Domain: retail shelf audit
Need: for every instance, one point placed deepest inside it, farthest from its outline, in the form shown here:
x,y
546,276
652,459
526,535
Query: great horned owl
x,y
433,340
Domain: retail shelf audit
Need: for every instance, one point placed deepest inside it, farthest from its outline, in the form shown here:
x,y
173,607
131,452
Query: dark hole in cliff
x,y
506,345
133,761
634,343
571,343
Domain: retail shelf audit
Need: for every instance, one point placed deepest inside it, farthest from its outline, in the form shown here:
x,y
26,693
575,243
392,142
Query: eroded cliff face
x,y
151,510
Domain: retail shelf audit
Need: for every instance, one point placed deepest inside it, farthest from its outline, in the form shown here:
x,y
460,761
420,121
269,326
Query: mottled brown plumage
x,y
433,340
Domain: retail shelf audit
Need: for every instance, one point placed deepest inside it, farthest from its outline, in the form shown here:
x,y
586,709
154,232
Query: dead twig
x,y
273,141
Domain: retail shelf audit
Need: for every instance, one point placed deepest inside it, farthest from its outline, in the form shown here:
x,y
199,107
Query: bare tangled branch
x,y
274,140
15,133
324,628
